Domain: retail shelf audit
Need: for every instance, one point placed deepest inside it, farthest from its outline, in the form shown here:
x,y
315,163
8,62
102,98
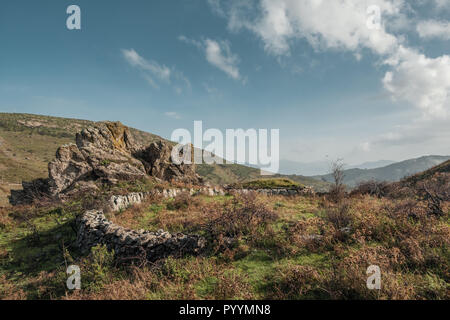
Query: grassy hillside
x,y
390,173
28,142
422,176
288,248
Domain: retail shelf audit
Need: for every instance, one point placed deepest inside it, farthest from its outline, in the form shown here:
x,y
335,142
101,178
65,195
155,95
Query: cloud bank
x,y
348,25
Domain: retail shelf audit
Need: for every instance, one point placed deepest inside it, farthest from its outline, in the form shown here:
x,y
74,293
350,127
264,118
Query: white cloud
x,y
422,81
343,25
434,29
172,114
154,72
324,24
218,54
134,59
442,3
365,146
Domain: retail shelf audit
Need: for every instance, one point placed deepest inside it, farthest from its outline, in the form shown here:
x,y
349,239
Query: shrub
x,y
10,291
372,188
337,189
231,284
297,282
349,278
242,216
97,268
181,201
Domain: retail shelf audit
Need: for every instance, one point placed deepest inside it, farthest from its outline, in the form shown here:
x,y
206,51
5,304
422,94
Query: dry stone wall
x,y
94,229
121,202
278,192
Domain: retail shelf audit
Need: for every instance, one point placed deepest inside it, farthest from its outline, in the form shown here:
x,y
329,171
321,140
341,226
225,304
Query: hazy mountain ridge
x,y
372,164
323,167
390,173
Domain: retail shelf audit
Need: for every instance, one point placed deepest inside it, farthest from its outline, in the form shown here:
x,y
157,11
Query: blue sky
x,y
312,69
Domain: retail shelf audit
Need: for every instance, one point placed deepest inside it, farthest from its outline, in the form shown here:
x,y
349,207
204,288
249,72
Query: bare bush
x,y
242,216
372,188
337,190
435,191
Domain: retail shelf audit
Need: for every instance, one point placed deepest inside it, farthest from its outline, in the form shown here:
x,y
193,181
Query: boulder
x,y
158,157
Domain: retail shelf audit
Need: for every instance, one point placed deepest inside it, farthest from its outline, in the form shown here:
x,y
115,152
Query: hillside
x,y
427,174
28,142
390,173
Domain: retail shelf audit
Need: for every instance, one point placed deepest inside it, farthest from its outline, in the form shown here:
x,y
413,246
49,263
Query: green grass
x,y
32,258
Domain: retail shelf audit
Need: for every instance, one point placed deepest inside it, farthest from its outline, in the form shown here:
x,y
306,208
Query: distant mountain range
x,y
372,164
392,172
323,167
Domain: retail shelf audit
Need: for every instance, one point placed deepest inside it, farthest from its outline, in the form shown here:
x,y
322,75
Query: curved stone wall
x,y
118,203
94,229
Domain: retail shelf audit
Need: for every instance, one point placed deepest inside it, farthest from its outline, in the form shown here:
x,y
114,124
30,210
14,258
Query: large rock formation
x,y
161,165
106,152
102,152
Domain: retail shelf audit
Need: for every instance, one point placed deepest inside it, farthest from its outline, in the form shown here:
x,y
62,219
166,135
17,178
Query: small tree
x,y
337,190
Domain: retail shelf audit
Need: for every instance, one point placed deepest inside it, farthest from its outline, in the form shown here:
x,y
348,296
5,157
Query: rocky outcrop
x,y
102,152
160,164
106,152
94,229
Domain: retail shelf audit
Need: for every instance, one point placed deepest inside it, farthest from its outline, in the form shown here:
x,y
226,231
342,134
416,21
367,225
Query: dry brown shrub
x,y
297,282
320,233
435,191
182,201
339,216
313,234
232,285
5,220
10,291
244,215
117,290
349,275
372,188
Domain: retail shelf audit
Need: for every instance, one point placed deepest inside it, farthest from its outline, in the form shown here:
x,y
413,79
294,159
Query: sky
x,y
333,81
